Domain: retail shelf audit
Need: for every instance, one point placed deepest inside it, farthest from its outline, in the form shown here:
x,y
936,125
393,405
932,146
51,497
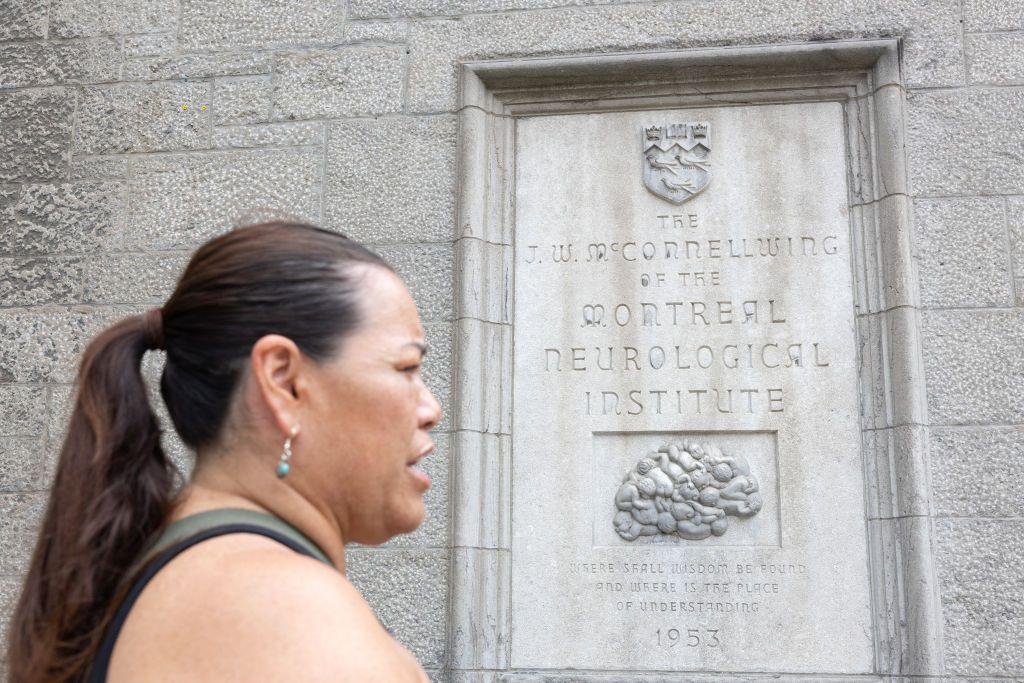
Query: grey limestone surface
x,y
44,344
22,410
977,471
63,218
933,53
395,580
40,280
35,133
966,142
963,245
1015,218
996,58
974,365
242,99
23,465
258,24
392,179
89,60
132,278
143,118
428,271
70,18
993,15
269,135
179,201
338,82
982,594
23,19
20,517
195,65
345,114
149,44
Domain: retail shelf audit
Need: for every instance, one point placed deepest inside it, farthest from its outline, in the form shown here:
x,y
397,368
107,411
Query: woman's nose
x,y
430,410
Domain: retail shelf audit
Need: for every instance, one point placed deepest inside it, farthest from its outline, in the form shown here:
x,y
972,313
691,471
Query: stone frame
x,y
865,76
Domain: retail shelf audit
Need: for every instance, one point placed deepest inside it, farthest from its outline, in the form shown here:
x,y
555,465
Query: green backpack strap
x,y
201,521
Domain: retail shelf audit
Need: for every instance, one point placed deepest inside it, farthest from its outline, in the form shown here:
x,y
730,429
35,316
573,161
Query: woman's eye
x,y
411,368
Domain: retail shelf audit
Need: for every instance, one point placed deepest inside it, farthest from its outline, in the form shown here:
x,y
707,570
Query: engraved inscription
x,y
676,160
687,490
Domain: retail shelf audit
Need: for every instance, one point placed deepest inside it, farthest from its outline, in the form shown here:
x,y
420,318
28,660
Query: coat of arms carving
x,y
676,160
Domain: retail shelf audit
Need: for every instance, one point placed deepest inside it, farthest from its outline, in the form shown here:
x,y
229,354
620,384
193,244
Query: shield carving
x,y
676,160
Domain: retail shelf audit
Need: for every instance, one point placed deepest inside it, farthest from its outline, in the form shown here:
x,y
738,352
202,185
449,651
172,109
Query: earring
x,y
283,467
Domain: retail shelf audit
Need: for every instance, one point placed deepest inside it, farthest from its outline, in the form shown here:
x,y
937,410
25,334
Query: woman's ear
x,y
278,375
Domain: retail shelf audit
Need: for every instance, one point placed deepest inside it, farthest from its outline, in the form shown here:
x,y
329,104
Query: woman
x,y
293,372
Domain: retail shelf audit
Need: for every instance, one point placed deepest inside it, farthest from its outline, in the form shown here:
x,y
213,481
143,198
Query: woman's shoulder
x,y
244,607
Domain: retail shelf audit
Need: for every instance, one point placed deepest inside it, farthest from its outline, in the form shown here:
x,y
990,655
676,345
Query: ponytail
x,y
111,493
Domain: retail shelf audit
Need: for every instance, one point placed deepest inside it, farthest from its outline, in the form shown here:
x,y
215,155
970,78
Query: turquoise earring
x,y
283,467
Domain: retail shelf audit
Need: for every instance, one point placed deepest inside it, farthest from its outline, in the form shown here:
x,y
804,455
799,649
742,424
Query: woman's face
x,y
371,414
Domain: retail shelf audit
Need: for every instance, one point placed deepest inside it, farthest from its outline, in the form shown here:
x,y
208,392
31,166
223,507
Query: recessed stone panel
x,y
687,488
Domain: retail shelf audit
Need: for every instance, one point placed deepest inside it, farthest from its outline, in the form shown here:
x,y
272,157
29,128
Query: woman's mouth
x,y
416,472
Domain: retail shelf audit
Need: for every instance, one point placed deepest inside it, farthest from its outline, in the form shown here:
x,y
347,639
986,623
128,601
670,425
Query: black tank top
x,y
183,534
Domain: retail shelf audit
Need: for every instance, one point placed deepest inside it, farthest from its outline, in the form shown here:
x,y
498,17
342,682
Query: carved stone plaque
x,y
687,485
677,163
685,489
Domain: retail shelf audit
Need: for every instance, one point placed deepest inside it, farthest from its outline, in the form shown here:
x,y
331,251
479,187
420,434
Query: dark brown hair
x,y
113,485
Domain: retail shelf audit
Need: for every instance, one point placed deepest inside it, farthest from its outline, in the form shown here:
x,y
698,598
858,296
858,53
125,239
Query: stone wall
x,y
133,130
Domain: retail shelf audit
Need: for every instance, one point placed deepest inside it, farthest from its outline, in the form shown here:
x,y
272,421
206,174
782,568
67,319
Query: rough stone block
x,y
393,179
46,345
965,142
1019,293
132,278
433,532
61,404
393,581
241,100
375,31
993,15
24,465
79,61
80,217
149,45
991,459
99,167
427,270
974,366
337,82
179,201
70,18
23,19
143,118
367,9
980,574
20,517
932,40
40,280
996,58
195,66
259,24
35,133
22,411
1015,217
269,135
961,245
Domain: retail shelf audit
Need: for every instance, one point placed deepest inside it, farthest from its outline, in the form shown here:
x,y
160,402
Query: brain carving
x,y
685,489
